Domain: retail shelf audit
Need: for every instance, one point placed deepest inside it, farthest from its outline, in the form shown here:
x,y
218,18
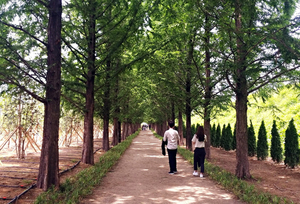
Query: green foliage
x,y
291,146
82,183
193,129
228,138
276,149
233,146
262,144
213,135
218,136
223,137
251,141
281,105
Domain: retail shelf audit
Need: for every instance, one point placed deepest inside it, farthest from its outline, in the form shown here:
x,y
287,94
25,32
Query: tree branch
x,y
44,3
24,31
21,87
271,79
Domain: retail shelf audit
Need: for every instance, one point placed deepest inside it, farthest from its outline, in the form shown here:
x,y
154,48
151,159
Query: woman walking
x,y
198,141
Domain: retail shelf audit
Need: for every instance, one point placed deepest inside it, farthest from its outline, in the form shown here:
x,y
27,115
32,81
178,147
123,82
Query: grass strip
x,y
243,190
83,183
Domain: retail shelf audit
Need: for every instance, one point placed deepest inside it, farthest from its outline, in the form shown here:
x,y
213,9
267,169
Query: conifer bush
x,y
251,141
262,144
291,146
212,135
218,136
223,136
228,138
276,149
233,145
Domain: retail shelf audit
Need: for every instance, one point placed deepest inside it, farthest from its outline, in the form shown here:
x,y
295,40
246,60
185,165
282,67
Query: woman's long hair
x,y
200,134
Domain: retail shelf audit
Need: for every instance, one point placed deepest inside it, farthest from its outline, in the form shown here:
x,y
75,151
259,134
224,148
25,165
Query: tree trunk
x,y
123,131
116,132
119,131
208,88
105,144
20,141
88,135
180,127
48,169
106,107
173,112
188,131
242,166
188,108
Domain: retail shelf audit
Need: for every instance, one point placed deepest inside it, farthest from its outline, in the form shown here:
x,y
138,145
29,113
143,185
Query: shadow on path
x,y
141,176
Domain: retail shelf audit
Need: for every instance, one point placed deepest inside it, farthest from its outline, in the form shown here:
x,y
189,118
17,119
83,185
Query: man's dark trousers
x,y
172,159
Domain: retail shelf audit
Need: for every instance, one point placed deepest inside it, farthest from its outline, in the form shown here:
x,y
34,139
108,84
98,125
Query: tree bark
x,y
208,88
106,107
180,127
242,166
188,108
88,135
48,169
123,131
173,111
116,134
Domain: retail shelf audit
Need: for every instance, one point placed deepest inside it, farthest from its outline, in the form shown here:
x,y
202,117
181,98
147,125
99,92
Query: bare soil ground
x,y
268,176
18,175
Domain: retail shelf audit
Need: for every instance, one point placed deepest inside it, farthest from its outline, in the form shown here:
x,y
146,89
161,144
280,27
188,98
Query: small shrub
x,y
291,146
213,135
228,138
218,136
223,137
262,144
251,141
276,149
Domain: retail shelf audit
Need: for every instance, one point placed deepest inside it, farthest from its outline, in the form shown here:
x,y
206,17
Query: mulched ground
x,y
17,176
268,176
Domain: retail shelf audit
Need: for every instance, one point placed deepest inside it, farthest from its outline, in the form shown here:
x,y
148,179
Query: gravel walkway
x,y
141,176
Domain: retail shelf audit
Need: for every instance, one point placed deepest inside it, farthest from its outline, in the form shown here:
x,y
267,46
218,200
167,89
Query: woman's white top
x,y
199,144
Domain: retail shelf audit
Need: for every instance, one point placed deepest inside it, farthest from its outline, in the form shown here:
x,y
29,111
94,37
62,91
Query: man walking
x,y
172,138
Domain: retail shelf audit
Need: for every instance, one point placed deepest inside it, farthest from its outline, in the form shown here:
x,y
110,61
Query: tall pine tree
x,y
228,138
212,135
276,149
251,141
262,144
218,136
291,146
223,137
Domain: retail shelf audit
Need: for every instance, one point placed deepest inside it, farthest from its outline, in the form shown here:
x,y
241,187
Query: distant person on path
x,y
172,138
199,140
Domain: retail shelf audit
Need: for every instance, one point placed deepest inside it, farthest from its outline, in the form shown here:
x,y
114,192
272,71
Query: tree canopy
x,y
151,60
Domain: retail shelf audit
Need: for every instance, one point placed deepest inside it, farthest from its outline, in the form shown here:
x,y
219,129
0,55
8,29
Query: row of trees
x,y
220,53
259,145
74,56
144,60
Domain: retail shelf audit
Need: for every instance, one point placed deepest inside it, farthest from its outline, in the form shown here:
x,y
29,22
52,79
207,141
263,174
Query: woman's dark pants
x,y
199,158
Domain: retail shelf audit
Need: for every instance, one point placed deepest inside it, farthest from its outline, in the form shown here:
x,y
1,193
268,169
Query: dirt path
x,y
141,176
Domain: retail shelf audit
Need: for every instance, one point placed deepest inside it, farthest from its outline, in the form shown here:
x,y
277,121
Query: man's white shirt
x,y
173,137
